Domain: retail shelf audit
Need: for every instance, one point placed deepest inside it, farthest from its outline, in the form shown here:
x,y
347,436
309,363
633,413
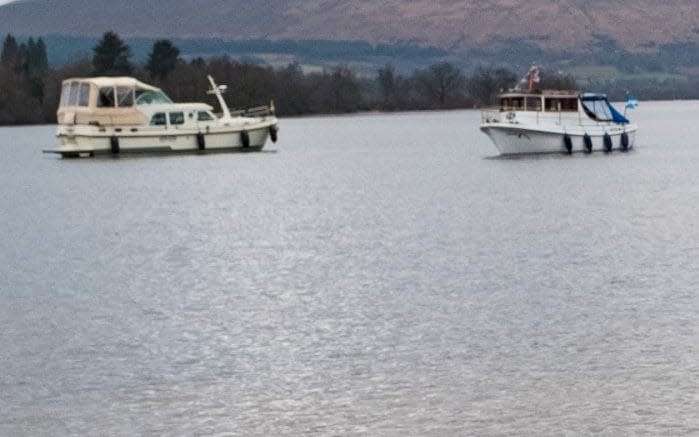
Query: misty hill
x,y
457,25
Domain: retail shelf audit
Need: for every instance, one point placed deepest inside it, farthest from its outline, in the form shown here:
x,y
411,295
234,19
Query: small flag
x,y
631,102
530,80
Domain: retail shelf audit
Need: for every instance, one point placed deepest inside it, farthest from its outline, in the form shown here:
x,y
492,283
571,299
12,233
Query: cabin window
x,y
74,93
106,98
124,96
562,104
65,94
570,104
158,119
84,98
204,116
512,103
533,104
176,118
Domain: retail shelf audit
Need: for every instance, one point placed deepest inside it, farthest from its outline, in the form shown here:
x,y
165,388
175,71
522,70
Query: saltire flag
x,y
631,102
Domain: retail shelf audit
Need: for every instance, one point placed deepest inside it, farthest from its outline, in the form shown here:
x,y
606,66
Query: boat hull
x,y
85,141
512,139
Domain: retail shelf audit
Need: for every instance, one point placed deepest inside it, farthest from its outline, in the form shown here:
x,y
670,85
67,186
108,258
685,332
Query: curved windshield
x,y
147,97
598,108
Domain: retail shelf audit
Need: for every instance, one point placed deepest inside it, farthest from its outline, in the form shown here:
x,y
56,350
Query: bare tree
x,y
441,85
485,84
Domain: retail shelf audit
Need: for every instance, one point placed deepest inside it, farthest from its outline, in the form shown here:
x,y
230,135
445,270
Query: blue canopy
x,y
598,108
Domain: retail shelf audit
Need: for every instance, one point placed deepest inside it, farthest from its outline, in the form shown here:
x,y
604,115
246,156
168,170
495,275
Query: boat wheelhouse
x,y
114,115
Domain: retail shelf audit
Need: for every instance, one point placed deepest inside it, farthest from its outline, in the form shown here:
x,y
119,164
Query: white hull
x,y
512,139
80,141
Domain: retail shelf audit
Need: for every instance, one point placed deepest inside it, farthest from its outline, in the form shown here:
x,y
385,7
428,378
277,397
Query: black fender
x,y
624,141
201,141
587,141
568,143
245,139
273,133
114,144
607,143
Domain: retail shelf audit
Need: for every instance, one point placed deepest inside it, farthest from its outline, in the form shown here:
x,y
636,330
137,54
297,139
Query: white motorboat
x,y
535,121
115,115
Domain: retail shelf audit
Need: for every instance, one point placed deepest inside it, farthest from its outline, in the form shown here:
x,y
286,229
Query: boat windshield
x,y
598,108
148,97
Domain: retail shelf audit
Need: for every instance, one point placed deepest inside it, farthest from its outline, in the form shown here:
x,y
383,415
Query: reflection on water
x,y
367,275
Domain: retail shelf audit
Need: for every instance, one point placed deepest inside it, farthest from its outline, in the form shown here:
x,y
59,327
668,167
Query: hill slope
x,y
452,24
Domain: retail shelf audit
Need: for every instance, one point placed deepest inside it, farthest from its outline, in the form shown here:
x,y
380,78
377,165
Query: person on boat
x,y
531,80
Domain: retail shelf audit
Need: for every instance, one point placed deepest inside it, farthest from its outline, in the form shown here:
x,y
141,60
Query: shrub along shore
x,y
30,88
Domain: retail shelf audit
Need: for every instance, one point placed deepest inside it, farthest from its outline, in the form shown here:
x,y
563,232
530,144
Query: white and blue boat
x,y
534,121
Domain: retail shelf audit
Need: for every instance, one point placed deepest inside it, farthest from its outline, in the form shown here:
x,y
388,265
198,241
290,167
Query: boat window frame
x,y
533,108
124,96
84,94
507,104
74,93
101,95
564,104
207,113
65,94
179,121
598,108
153,122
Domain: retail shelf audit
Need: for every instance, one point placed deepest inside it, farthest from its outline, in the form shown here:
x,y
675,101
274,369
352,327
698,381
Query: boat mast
x,y
218,91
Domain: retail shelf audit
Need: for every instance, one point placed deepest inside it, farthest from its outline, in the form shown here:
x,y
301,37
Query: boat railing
x,y
257,111
491,116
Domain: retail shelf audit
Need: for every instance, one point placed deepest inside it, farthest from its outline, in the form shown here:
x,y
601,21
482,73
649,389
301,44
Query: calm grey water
x,y
368,275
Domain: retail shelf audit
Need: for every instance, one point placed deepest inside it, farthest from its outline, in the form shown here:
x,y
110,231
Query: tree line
x,y
30,88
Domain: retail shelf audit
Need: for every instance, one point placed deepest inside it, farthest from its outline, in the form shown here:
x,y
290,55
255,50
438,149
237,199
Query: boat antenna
x,y
218,91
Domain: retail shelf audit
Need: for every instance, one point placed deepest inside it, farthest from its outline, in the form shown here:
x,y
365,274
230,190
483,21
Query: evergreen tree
x,y
34,67
26,51
162,59
387,84
11,57
111,56
38,61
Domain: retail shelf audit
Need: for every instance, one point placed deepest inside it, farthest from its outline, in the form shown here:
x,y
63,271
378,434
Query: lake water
x,y
367,275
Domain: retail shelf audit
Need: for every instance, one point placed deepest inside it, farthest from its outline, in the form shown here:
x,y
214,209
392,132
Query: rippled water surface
x,y
367,275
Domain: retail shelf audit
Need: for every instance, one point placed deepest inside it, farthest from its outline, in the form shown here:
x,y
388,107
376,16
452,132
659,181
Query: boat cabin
x,y
595,106
107,101
549,101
